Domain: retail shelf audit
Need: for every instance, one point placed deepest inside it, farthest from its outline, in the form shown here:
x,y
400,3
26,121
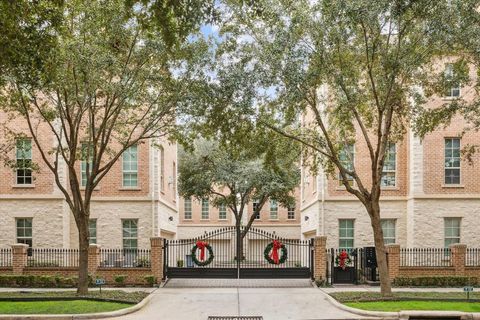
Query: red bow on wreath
x,y
274,255
202,245
342,259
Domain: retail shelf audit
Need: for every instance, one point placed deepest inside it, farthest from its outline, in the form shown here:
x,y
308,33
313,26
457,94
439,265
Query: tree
x,y
212,171
353,69
103,85
465,51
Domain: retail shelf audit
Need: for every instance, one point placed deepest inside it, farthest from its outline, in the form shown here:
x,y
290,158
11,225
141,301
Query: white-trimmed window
x,y
347,159
130,233
86,158
255,206
452,231
24,161
162,169
130,167
273,210
389,166
92,229
24,231
453,91
222,212
346,228
291,213
388,228
187,208
452,161
205,209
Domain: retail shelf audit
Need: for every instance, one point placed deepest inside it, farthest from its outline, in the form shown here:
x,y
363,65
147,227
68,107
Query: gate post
x,y
458,258
319,258
393,260
157,255
19,257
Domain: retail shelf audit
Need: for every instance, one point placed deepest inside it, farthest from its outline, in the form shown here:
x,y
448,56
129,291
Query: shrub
x,y
179,263
151,280
120,280
453,281
31,281
143,263
320,282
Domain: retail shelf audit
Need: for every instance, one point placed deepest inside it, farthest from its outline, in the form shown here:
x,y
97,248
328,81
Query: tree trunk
x,y
83,244
385,284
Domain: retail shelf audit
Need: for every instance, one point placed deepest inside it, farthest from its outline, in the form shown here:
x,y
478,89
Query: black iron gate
x,y
238,259
360,267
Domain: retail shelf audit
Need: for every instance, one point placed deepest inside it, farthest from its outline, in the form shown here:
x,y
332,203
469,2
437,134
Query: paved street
x,y
271,303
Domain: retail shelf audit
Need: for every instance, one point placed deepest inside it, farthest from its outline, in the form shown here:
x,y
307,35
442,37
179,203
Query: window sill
x,y
453,186
185,219
274,219
204,219
223,219
291,219
129,189
451,98
23,186
390,188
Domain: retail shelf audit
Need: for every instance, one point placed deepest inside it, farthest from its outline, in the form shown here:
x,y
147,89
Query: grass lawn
x,y
416,305
68,306
59,307
119,295
372,296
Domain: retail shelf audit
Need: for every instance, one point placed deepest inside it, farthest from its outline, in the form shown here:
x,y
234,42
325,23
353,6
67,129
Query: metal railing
x,y
425,257
5,257
125,258
39,257
472,257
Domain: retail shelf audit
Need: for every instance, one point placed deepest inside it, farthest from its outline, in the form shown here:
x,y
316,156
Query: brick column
x,y
93,259
156,257
458,258
320,257
19,257
393,254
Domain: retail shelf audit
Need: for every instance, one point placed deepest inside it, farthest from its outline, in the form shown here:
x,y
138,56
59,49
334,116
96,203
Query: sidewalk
x,y
126,289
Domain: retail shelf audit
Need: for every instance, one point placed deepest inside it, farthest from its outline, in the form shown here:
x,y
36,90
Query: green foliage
x,y
180,263
454,281
214,171
120,280
395,306
59,307
31,281
150,280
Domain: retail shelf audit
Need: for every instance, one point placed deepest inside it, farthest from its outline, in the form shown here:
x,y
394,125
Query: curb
x,y
402,315
101,315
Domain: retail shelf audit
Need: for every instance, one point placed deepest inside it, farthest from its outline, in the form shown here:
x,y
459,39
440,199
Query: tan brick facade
x,y
283,225
419,202
153,202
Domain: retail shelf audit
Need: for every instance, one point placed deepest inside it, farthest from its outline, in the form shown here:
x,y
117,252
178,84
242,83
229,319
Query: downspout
x,y
152,184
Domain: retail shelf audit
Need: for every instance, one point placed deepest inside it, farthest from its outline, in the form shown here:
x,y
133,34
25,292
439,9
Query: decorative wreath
x,y
202,245
271,252
343,260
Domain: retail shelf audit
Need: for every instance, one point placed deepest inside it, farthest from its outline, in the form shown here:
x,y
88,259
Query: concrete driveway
x,y
271,303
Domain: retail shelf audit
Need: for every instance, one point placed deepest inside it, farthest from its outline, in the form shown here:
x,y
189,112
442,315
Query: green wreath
x,y
348,260
283,254
210,254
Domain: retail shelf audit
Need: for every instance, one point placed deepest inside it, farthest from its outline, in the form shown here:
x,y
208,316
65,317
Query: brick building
x,y
197,217
430,194
136,200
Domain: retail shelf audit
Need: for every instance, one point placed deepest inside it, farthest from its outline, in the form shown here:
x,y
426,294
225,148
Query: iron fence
x,y
472,257
39,257
125,258
425,257
5,257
